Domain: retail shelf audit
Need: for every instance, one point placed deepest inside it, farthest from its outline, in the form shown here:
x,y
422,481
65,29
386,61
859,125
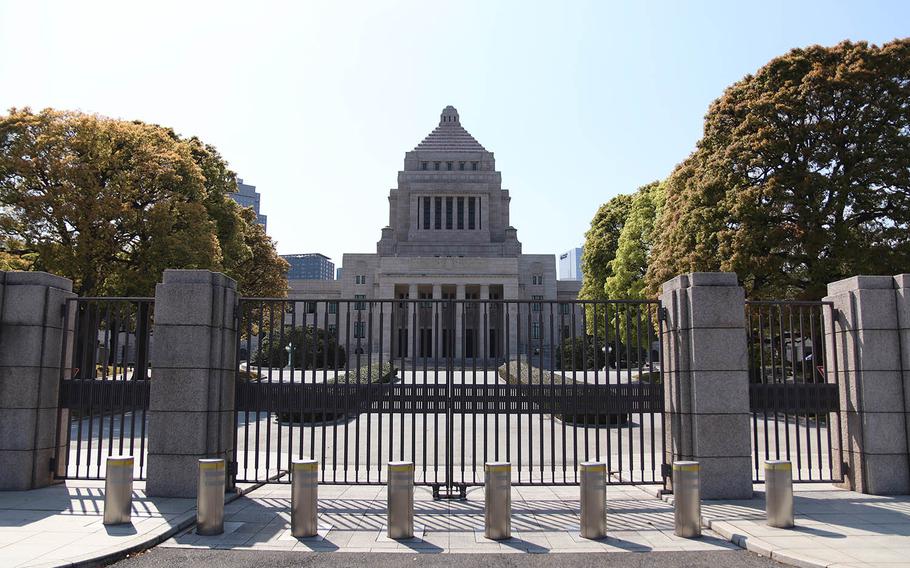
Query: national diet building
x,y
449,236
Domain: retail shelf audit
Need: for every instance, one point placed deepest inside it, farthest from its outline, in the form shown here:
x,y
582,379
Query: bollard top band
x,y
497,467
593,466
778,465
120,461
211,464
304,465
401,466
685,466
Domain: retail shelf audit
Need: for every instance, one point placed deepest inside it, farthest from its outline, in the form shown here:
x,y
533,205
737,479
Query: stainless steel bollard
x,y
779,493
210,497
400,519
304,495
593,500
497,511
118,490
686,499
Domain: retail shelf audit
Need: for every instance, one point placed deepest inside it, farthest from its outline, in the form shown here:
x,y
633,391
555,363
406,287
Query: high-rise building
x,y
247,196
309,266
570,264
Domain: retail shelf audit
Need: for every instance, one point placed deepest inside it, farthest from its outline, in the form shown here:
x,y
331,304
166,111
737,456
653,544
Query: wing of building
x,y
449,236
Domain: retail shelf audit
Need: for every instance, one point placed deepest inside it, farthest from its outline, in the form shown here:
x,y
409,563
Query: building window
x,y
359,305
360,279
423,165
449,166
333,329
537,280
359,329
333,307
426,213
566,332
436,165
449,212
311,307
474,166
535,330
471,210
536,305
461,166
438,215
459,214
425,296
565,309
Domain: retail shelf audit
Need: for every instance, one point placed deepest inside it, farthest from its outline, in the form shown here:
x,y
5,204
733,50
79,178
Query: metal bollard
x,y
593,500
400,519
210,497
304,494
779,493
497,511
686,499
118,490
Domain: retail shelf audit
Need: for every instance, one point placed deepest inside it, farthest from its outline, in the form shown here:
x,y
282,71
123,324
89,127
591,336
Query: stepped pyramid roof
x,y
449,136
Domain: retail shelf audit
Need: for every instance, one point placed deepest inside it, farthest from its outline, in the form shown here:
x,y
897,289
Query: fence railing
x,y
104,384
449,384
793,391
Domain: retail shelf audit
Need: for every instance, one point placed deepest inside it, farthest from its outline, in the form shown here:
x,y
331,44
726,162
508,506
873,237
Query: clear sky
x,y
316,103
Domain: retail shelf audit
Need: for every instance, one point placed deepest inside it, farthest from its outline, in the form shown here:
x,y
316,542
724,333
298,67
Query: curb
x,y
139,544
755,545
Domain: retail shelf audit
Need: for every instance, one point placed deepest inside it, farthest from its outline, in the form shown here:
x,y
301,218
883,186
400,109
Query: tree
x,y
327,354
630,263
599,250
110,204
580,354
802,176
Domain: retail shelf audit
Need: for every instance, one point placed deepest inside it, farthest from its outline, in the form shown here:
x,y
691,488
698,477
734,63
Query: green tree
x,y
111,204
630,263
802,176
580,354
327,354
598,252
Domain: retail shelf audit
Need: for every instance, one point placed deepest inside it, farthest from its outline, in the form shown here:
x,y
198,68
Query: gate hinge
x,y
666,471
232,468
662,314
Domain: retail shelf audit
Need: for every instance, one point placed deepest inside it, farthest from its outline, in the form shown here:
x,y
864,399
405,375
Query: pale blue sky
x,y
316,103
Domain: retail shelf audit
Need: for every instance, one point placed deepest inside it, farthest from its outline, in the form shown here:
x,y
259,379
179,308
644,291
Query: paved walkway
x,y
834,528
61,525
544,519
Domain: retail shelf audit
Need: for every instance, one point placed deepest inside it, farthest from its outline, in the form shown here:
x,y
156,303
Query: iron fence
x,y
793,388
449,384
104,385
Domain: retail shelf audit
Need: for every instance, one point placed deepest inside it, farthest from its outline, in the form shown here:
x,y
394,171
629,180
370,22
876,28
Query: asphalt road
x,y
187,558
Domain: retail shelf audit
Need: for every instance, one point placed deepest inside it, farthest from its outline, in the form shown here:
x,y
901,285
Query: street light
x,y
290,350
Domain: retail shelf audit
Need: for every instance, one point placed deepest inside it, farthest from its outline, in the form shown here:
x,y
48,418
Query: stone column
x,y
191,407
706,381
437,312
459,313
483,323
31,345
387,305
870,331
511,311
413,324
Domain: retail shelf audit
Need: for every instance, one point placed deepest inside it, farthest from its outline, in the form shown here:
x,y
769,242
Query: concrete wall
x,y
31,351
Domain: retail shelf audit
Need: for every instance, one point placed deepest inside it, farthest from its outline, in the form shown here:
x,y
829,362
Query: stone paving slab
x,y
544,519
835,528
62,525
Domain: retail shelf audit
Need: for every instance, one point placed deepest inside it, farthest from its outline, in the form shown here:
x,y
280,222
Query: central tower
x,y
449,201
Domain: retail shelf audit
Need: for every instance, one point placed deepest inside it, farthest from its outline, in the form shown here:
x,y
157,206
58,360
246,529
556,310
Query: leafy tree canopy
x,y
802,176
630,264
600,245
110,204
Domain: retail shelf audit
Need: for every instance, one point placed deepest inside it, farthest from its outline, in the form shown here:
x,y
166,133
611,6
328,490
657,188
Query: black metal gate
x,y
793,388
449,384
104,385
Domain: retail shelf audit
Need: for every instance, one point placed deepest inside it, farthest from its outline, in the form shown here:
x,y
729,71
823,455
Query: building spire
x,y
449,116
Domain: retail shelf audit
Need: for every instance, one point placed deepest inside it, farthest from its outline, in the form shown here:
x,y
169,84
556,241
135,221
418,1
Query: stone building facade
x,y
449,237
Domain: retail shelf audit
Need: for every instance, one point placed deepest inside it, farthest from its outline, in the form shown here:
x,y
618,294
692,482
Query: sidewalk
x,y
544,519
835,528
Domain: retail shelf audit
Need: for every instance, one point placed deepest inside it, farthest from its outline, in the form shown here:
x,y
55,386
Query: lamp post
x,y
290,349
